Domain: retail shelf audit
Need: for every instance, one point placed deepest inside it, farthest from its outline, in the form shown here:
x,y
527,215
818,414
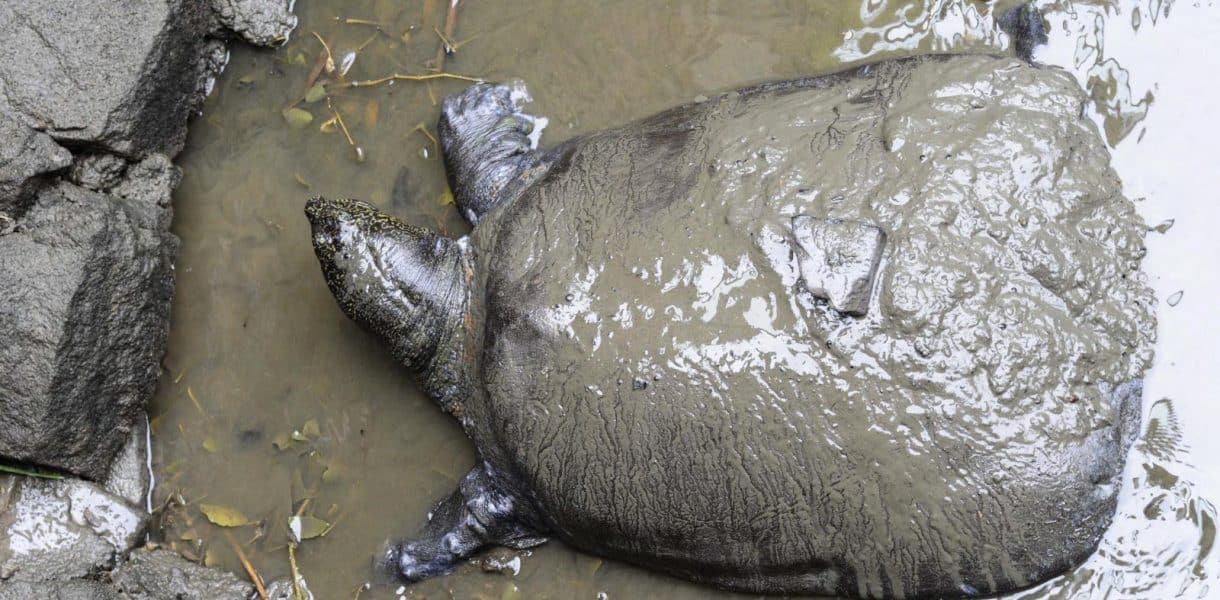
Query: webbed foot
x,y
486,142
475,516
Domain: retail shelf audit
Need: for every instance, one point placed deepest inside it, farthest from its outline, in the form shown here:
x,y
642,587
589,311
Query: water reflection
x,y
259,351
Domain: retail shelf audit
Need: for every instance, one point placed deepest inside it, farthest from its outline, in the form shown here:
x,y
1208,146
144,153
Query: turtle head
x,y
403,283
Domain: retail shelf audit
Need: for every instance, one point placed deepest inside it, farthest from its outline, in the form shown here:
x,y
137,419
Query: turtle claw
x,y
475,516
486,143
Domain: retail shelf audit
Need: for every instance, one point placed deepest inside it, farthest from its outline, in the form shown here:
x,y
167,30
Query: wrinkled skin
x,y
647,377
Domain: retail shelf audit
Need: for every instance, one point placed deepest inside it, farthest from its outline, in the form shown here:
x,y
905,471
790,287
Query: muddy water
x,y
271,395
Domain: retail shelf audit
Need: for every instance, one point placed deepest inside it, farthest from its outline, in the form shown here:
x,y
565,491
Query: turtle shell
x,y
660,378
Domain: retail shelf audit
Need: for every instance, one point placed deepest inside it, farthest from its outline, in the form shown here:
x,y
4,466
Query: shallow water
x,y
259,350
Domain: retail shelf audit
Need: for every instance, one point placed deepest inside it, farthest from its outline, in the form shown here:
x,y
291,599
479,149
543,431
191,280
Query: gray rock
x,y
163,575
838,260
61,530
260,22
129,477
25,155
85,286
92,76
150,185
98,172
57,590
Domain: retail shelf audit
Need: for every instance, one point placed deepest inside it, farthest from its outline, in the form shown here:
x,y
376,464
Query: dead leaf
x,y
306,527
223,516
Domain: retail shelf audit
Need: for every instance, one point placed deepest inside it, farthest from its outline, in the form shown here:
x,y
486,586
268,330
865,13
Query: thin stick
x,y
296,573
330,57
352,21
436,145
402,77
245,563
450,26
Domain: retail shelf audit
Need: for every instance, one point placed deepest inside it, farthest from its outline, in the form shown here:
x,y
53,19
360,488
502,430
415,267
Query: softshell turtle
x,y
878,333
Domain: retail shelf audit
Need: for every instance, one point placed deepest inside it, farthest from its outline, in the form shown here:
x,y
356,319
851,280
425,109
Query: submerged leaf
x,y
210,444
282,441
311,428
298,117
224,516
315,93
304,527
446,198
371,111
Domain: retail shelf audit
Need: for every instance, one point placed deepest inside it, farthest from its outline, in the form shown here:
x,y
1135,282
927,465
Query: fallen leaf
x,y
223,515
298,117
371,111
315,93
282,441
446,198
210,444
311,428
304,527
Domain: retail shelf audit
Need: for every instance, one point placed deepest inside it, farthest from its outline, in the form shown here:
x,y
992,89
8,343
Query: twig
x,y
436,145
402,77
353,21
359,152
330,57
296,573
318,65
245,563
450,25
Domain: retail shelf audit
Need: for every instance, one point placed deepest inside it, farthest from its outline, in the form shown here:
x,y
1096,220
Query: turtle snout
x,y
326,218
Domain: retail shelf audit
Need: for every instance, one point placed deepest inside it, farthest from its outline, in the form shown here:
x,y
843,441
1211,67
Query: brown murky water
x,y
271,395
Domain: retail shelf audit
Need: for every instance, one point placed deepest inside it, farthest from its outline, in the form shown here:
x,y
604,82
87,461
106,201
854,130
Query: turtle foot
x,y
487,143
475,516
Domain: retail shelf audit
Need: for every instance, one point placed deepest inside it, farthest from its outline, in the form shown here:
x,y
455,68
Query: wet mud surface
x,y
271,396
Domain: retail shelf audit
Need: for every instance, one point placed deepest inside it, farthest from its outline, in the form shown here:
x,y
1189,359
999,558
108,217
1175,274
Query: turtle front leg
x,y
475,516
487,145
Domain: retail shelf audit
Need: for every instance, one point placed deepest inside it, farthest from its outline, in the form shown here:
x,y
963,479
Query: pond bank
x,y
94,104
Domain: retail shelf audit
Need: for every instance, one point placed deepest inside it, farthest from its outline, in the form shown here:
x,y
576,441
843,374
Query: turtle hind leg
x,y
486,142
473,517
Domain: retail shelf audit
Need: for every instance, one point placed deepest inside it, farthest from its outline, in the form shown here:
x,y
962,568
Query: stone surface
x,y
260,22
57,590
93,76
85,286
162,574
129,477
97,172
838,260
25,155
61,530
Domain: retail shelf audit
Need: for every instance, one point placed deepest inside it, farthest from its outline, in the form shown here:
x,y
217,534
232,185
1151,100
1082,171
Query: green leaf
x,y
297,117
305,527
223,515
28,473
315,93
311,429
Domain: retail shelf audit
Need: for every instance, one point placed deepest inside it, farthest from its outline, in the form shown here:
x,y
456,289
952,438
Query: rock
x,y
90,76
97,172
25,156
129,477
163,574
85,286
57,590
61,530
838,260
260,22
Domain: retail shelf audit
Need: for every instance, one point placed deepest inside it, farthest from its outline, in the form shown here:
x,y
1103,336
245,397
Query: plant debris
x,y
224,516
